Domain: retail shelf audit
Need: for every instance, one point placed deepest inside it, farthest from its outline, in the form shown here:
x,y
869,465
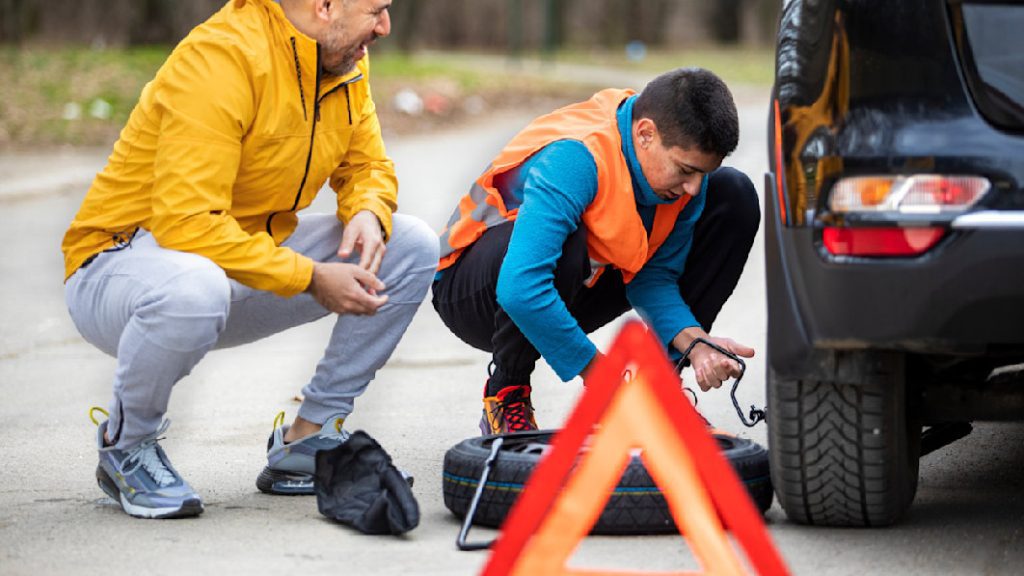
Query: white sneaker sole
x,y
188,508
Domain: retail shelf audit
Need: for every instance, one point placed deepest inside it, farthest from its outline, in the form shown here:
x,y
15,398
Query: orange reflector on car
x,y
881,242
873,191
779,165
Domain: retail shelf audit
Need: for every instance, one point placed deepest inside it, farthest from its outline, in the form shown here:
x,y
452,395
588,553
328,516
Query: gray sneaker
x,y
290,467
142,480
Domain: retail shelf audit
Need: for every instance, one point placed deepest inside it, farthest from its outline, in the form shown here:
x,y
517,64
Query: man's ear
x,y
322,10
644,132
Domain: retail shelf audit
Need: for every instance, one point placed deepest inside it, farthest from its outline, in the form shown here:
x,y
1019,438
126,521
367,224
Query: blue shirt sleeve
x,y
654,292
555,186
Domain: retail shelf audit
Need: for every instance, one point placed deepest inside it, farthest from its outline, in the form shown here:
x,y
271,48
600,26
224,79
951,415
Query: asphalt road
x,y
968,517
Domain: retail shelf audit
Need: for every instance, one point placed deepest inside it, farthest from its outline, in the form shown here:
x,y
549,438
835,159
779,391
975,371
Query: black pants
x,y
465,296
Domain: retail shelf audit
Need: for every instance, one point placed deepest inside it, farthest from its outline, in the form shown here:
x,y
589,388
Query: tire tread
x,y
836,448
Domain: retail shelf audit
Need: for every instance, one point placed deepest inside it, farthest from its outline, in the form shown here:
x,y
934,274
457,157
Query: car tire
x,y
844,450
636,507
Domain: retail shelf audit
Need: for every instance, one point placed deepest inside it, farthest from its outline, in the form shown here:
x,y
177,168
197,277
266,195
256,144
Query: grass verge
x,y
81,96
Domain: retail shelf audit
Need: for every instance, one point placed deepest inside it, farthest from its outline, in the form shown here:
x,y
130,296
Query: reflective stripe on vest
x,y
615,233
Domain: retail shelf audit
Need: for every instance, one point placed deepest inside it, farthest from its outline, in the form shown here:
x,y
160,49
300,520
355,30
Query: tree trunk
x,y
93,22
616,22
15,21
405,16
724,21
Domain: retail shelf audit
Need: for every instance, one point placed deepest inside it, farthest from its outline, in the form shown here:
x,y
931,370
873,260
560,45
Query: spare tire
x,y
635,507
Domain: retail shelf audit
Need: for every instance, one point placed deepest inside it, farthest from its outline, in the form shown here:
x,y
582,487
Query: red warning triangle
x,y
560,504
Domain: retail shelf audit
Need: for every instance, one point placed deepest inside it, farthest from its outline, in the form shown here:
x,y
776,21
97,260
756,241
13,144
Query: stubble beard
x,y
339,59
346,64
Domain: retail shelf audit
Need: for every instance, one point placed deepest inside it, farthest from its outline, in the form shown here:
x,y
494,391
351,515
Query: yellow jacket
x,y
238,132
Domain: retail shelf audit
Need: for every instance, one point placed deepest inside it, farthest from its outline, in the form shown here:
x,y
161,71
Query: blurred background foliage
x,y
438,24
71,70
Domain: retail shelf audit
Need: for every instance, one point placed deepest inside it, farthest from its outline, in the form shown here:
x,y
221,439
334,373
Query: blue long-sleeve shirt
x,y
552,189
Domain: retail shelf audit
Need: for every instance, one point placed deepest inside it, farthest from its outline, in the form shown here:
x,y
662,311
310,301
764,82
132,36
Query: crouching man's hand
x,y
346,288
710,367
363,233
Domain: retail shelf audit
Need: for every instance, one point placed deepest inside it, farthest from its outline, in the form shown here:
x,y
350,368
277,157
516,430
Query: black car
x,y
894,244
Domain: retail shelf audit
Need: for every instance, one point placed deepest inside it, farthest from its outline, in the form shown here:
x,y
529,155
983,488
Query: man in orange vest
x,y
612,204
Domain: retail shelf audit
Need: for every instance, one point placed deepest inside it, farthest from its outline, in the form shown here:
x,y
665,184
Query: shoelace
x,y
516,414
145,455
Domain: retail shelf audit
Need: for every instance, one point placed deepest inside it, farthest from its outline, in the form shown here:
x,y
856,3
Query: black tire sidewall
x,y
636,507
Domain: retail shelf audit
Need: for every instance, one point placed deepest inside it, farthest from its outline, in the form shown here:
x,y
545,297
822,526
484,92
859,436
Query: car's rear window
x,y
995,43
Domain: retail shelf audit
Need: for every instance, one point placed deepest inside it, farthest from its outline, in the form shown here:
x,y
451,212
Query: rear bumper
x,y
965,297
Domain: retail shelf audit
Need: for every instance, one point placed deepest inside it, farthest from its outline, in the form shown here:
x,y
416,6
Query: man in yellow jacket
x,y
190,238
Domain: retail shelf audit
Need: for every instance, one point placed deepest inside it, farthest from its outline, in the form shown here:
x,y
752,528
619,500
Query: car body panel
x,y
876,87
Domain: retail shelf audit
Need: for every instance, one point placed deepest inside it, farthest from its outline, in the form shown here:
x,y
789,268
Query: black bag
x,y
356,484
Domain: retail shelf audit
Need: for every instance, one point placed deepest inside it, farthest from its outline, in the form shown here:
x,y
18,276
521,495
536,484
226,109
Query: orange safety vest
x,y
615,233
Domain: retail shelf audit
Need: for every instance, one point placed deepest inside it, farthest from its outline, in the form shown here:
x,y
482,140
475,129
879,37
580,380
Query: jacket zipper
x,y
312,136
317,99
348,99
298,74
348,102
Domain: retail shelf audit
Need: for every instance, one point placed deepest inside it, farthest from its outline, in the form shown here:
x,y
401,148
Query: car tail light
x,y
918,194
880,242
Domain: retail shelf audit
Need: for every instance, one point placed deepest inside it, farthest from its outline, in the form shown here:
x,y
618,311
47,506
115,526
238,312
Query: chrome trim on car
x,y
990,219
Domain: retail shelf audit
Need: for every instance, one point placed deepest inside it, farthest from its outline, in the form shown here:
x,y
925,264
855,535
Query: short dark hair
x,y
691,106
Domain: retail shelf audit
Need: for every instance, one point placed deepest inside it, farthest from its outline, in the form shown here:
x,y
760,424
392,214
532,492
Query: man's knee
x,y
416,243
733,190
190,309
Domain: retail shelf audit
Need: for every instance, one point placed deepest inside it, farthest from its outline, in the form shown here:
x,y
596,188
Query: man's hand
x,y
346,289
363,233
710,367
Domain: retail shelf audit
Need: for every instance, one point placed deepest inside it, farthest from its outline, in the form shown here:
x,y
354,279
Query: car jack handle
x,y
467,522
756,415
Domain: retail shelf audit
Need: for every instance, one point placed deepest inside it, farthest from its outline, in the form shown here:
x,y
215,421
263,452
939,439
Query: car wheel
x,y
844,450
637,505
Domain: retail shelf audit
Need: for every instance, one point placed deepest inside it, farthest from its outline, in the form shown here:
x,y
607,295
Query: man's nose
x,y
383,27
692,185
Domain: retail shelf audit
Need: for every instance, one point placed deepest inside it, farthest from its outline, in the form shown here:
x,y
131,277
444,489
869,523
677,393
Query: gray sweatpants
x,y
160,311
